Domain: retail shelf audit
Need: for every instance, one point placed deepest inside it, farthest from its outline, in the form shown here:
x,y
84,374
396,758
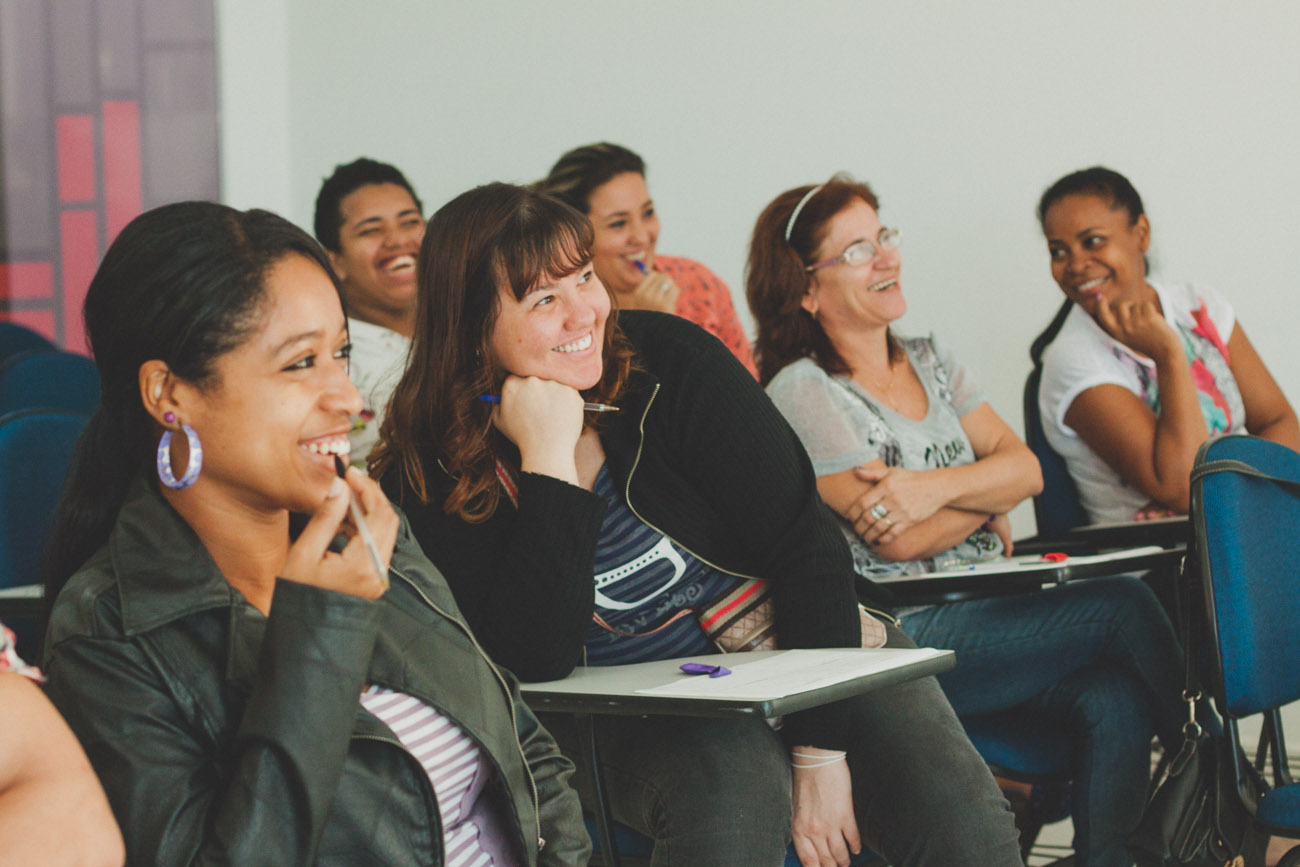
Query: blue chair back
x,y
1057,509
1248,550
14,339
36,447
49,380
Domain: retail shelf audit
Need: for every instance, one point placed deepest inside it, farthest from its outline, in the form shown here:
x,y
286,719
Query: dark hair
x,y
776,280
1097,181
183,284
577,174
492,235
345,180
1102,182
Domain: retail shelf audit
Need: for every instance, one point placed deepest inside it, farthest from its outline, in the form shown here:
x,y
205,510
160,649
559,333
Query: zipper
x,y
627,492
627,498
505,688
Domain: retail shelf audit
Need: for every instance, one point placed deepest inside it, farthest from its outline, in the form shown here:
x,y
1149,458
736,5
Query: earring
x,y
165,474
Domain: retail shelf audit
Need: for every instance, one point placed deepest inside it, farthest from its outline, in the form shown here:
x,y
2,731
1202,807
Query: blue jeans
x,y
1101,657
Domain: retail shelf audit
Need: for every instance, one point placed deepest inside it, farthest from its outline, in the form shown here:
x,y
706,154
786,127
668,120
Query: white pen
x,y
363,529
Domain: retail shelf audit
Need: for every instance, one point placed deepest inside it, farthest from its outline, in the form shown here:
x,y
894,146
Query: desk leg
x,y
604,824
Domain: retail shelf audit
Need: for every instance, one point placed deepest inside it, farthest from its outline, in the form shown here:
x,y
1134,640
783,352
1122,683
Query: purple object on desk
x,y
703,668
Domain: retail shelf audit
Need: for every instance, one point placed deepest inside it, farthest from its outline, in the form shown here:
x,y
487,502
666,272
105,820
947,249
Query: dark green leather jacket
x,y
226,737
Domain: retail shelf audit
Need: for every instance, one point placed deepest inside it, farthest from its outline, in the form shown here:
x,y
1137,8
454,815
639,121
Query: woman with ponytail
x,y
224,638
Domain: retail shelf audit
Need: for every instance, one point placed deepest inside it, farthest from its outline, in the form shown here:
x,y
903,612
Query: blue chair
x,y
36,447
1057,509
15,338
1022,747
50,380
1245,508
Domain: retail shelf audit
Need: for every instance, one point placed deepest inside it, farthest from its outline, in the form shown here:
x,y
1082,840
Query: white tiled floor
x,y
1061,833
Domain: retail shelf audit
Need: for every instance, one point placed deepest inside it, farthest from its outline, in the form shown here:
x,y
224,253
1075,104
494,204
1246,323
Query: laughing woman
x,y
922,471
572,537
1142,372
248,686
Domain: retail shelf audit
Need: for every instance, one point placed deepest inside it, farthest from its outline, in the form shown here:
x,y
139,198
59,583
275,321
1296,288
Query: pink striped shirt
x,y
473,834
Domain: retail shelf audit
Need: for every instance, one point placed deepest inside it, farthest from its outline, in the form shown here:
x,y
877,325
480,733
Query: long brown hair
x,y
776,280
494,235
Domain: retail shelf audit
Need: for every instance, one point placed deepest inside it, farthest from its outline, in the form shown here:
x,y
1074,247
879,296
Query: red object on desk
x,y
1055,556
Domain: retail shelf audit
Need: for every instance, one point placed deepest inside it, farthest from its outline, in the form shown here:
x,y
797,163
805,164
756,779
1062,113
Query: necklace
x,y
889,387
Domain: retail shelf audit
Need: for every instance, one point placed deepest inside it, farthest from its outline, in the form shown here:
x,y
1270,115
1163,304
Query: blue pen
x,y
589,407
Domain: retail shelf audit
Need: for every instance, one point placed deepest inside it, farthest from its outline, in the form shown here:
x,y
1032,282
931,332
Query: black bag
x,y
1194,817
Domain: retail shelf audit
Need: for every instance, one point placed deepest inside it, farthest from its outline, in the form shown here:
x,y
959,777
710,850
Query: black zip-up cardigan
x,y
699,453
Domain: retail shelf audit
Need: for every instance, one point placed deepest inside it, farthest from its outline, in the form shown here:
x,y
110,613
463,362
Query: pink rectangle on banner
x,y
40,321
123,199
74,141
26,280
79,254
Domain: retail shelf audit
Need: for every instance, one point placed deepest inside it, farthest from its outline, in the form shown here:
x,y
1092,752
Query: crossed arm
x,y
929,511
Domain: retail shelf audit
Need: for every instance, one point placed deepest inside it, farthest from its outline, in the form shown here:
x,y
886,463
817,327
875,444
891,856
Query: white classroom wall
x,y
958,113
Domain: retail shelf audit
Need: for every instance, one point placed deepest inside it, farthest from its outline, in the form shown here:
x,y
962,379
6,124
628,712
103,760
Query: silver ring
x,y
878,512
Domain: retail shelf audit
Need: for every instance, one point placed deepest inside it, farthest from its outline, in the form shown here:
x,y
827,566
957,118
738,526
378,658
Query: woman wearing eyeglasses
x,y
1141,373
922,472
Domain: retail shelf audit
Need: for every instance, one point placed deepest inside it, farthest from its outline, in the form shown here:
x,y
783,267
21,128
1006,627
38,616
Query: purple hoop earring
x,y
165,474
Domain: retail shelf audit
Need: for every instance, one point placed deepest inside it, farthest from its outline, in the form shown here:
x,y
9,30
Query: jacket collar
x,y
163,570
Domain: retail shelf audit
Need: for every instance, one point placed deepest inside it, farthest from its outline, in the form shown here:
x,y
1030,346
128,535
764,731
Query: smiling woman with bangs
x,y
572,537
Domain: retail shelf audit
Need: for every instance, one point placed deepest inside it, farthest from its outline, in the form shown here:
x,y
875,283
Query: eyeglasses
x,y
863,252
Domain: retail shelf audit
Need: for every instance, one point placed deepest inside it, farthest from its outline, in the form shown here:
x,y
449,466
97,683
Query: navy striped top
x,y
642,580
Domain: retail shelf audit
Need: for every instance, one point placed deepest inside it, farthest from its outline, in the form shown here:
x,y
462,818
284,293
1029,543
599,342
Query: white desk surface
x,y
1023,574
1022,563
769,682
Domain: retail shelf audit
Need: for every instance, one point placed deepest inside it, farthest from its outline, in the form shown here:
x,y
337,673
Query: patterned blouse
x,y
11,661
706,301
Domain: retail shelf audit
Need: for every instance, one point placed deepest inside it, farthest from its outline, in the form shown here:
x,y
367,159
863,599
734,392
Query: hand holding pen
x,y
356,512
544,419
586,407
656,291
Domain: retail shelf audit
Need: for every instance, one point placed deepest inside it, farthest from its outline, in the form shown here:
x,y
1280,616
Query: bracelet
x,y
822,759
822,763
839,754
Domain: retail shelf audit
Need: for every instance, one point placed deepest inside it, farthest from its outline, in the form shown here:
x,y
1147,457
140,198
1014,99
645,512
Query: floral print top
x,y
1083,356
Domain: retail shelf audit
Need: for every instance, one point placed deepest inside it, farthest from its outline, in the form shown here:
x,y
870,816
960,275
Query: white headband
x,y
789,226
